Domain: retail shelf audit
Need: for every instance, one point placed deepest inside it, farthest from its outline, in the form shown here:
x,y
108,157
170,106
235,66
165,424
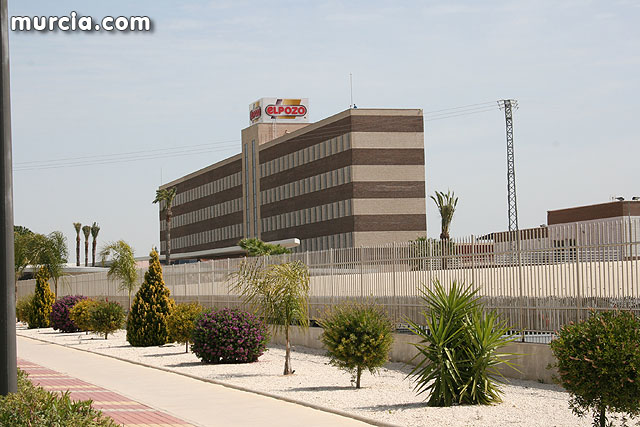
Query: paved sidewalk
x,y
122,410
195,402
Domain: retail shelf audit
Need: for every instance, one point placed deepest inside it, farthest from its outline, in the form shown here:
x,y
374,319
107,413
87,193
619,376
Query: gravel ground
x,y
387,397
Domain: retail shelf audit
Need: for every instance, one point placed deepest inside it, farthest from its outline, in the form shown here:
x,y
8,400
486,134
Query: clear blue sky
x,y
574,66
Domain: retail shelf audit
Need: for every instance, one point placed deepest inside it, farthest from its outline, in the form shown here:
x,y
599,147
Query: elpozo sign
x,y
289,110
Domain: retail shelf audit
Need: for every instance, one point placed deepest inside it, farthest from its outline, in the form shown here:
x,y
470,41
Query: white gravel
x,y
387,397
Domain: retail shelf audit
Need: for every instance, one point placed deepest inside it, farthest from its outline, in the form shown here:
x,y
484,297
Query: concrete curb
x,y
231,386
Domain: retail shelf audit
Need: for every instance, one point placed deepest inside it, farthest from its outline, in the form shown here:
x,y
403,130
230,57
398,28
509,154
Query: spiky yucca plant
x,y
458,353
152,305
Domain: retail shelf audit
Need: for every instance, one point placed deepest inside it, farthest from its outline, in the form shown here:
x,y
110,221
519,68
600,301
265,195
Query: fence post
x,y
394,257
473,260
333,281
361,273
523,308
578,276
198,290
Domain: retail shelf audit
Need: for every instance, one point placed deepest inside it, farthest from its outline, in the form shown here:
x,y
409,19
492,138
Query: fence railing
x,y
538,280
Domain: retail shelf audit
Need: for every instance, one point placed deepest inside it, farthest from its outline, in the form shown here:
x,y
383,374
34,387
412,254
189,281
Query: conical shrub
x,y
43,300
152,305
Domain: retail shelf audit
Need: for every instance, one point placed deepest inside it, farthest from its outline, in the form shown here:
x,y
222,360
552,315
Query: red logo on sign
x,y
255,113
285,110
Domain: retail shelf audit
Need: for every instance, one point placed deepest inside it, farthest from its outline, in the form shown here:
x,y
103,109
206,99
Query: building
x,y
356,178
603,232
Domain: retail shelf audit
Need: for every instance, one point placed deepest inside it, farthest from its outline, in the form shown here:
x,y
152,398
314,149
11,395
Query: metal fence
x,y
537,279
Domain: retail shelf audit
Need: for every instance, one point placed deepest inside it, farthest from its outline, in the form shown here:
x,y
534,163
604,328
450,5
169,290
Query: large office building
x,y
356,178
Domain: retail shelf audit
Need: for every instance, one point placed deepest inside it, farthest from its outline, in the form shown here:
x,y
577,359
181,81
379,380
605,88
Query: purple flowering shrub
x,y
229,336
59,316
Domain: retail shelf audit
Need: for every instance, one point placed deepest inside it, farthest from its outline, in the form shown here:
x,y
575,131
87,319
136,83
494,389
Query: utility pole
x,y
8,362
508,105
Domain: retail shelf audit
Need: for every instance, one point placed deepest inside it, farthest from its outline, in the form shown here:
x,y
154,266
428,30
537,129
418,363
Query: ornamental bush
x,y
152,305
357,337
23,308
181,322
43,300
80,314
229,336
35,406
598,361
59,317
106,317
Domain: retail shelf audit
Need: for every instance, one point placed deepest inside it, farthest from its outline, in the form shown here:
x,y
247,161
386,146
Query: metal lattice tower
x,y
508,105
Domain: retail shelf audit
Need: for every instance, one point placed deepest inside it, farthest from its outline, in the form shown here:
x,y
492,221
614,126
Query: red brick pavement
x,y
122,410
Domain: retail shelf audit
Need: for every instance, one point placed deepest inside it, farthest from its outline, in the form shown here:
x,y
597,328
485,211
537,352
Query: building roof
x,y
592,212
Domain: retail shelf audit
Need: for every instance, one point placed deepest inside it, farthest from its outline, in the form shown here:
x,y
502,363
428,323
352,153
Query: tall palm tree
x,y
167,195
86,230
95,229
280,293
78,227
446,204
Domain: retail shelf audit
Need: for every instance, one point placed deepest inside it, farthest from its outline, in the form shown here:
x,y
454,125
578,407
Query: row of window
x,y
307,185
322,243
306,155
210,236
307,216
215,211
207,189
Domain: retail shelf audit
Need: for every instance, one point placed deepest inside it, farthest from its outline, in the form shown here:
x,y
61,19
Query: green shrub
x,y
229,336
147,323
106,317
34,406
80,314
181,322
459,348
357,337
43,300
598,361
23,308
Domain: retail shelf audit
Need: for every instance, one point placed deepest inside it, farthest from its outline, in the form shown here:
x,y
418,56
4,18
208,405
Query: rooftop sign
x,y
268,110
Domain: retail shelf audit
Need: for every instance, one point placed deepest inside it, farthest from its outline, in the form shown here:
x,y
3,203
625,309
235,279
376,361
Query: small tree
x,y
599,364
53,257
446,204
42,301
106,317
280,292
123,265
357,337
256,247
181,322
152,305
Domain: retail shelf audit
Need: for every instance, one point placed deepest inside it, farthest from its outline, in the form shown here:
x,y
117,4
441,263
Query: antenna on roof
x,y
351,104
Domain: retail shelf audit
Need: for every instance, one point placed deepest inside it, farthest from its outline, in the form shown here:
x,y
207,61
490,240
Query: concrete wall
x,y
532,364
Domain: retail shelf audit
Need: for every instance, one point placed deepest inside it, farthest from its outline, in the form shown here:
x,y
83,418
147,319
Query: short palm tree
x,y
78,228
123,265
167,195
280,292
446,204
86,230
95,229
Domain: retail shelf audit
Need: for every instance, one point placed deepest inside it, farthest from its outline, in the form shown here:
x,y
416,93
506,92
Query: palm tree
x,y
446,204
86,230
123,265
167,195
280,293
95,229
53,257
78,227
